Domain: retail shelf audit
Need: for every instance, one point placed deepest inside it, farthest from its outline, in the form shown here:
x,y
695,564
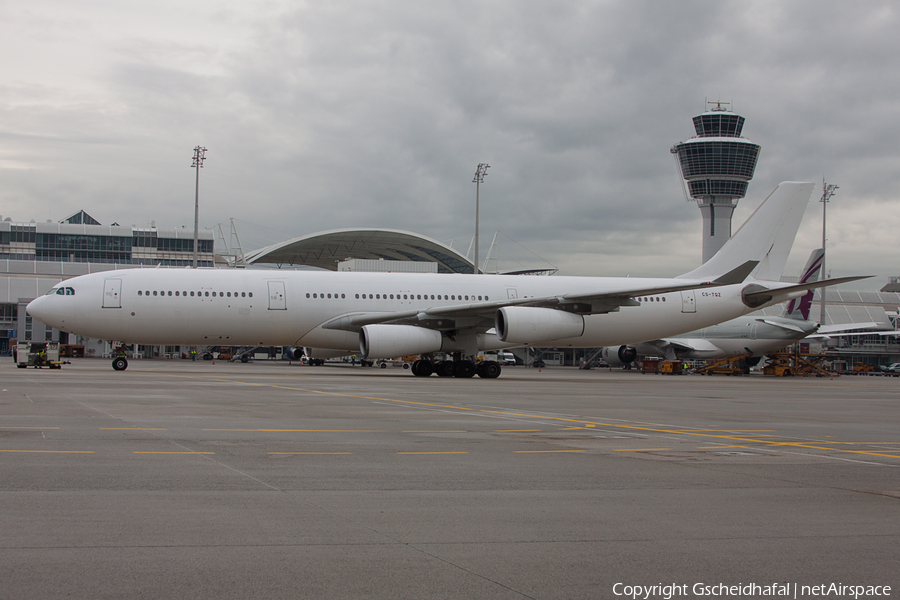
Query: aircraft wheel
x,y
384,365
445,368
490,370
119,363
465,369
422,368
245,358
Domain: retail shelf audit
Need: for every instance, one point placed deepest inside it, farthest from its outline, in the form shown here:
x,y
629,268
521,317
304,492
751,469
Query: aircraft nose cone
x,y
38,309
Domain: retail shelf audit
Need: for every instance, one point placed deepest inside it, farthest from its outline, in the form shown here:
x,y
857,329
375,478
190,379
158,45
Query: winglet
x,y
737,275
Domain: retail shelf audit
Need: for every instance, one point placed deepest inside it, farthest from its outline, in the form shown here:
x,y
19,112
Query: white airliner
x,y
384,315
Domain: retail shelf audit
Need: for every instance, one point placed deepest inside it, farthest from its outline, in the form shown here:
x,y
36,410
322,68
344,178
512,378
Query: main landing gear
x,y
120,363
488,369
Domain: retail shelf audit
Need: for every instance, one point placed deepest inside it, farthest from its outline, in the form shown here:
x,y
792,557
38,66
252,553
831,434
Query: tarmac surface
x,y
179,479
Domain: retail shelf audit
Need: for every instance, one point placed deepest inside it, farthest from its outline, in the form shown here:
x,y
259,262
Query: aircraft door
x,y
112,293
276,296
688,302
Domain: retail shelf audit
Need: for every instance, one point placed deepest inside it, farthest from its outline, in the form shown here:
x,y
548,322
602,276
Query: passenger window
x,y
192,293
244,295
140,293
177,293
154,292
250,294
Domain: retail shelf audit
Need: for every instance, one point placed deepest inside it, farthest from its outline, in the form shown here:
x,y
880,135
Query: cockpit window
x,y
61,291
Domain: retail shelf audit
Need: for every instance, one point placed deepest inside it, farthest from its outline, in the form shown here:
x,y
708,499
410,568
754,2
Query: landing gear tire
x,y
489,370
422,368
445,368
465,369
119,363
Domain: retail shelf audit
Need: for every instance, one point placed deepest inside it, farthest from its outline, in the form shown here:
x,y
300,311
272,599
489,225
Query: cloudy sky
x,y
326,115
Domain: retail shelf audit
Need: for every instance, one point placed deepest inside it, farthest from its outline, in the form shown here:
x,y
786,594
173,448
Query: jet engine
x,y
293,352
527,324
388,341
618,356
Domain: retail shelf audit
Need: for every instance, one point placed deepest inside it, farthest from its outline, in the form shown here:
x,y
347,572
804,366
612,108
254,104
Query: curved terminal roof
x,y
327,248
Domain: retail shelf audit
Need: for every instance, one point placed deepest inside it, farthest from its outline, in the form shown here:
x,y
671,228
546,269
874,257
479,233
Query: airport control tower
x,y
717,165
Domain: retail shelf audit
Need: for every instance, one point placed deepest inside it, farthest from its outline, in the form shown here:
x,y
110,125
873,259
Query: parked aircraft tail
x,y
798,308
766,236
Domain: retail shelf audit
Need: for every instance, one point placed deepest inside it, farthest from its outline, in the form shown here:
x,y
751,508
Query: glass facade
x,y
699,159
718,187
142,247
719,124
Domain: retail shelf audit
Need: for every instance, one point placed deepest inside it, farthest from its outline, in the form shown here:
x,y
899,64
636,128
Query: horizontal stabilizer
x,y
756,295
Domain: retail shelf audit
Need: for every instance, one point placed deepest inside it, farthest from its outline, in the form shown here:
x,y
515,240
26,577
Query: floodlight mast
x,y
827,192
480,172
199,157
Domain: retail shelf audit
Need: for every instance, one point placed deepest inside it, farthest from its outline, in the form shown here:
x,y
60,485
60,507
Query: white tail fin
x,y
798,308
767,236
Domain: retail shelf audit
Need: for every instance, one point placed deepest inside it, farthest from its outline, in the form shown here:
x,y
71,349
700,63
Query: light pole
x,y
480,172
199,157
827,193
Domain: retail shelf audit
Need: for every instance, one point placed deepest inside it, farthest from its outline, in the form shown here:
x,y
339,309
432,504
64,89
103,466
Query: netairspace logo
x,y
722,590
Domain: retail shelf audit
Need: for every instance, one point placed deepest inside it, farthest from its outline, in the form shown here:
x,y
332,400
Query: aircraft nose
x,y
39,310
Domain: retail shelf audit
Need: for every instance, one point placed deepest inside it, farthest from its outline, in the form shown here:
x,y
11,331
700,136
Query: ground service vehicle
x,y
37,354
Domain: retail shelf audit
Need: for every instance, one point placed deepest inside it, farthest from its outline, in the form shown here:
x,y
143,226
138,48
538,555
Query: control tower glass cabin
x,y
718,165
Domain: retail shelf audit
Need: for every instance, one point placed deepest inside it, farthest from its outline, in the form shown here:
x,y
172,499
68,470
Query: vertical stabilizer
x,y
798,308
767,236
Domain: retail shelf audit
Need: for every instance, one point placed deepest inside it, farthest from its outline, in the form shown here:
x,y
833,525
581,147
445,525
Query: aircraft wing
x,y
838,329
686,344
782,324
482,313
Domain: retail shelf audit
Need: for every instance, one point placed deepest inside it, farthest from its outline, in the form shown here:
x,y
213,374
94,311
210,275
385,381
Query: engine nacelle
x,y
389,341
527,324
618,356
293,352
